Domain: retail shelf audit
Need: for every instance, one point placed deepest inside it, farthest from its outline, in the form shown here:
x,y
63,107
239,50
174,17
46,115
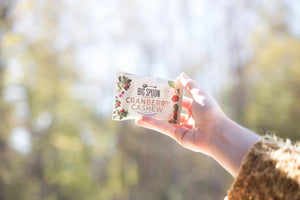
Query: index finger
x,y
163,127
172,130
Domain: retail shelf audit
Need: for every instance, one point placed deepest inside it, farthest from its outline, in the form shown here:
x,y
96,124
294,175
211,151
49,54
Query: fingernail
x,y
139,121
183,75
183,79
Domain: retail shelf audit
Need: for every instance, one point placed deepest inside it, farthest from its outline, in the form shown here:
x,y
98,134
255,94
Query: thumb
x,y
190,85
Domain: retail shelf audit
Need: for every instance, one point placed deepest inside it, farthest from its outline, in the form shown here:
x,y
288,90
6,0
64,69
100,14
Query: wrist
x,y
217,134
230,143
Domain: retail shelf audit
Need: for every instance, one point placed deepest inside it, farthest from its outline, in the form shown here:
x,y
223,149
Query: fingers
x,y
163,127
190,85
186,102
176,132
183,118
187,121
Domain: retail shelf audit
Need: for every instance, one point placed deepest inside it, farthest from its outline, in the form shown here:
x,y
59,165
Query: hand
x,y
198,126
206,129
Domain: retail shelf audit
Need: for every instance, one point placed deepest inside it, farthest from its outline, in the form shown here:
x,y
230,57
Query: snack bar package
x,y
143,96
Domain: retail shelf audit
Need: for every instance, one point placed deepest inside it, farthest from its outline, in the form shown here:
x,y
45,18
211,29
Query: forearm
x,y
230,144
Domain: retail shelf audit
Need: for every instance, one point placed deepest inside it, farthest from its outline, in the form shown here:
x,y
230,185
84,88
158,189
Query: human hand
x,y
206,129
199,126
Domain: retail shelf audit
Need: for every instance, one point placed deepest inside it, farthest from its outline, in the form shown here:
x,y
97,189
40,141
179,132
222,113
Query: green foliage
x,y
76,155
273,86
59,163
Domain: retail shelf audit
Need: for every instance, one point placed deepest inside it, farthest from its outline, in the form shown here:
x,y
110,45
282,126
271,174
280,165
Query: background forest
x,y
58,61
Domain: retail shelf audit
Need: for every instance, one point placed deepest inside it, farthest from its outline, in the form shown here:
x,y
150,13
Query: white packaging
x,y
143,96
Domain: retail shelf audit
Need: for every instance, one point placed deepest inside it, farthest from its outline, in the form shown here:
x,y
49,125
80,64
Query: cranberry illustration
x,y
175,98
127,86
123,92
175,115
119,103
122,111
120,95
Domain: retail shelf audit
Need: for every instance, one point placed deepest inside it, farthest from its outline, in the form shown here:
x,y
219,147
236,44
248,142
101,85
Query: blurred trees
x,y
36,99
265,95
274,88
75,154
6,155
